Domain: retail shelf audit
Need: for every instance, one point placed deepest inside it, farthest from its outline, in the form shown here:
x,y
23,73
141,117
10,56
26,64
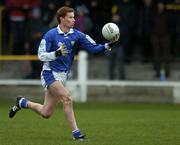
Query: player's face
x,y
69,20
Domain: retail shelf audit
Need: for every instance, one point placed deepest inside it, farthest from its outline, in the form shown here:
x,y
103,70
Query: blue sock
x,y
76,133
23,103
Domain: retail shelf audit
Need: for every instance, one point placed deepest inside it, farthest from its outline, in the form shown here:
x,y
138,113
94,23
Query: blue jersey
x,y
54,38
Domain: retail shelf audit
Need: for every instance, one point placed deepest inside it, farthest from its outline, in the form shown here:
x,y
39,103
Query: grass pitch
x,y
103,123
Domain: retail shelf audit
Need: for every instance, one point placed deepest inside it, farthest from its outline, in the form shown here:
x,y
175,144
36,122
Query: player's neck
x,y
64,28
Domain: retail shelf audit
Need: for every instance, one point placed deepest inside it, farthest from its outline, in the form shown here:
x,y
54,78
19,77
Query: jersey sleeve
x,y
44,53
89,44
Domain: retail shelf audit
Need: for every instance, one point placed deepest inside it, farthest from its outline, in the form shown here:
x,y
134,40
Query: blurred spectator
x,y
178,33
83,21
19,12
36,28
49,8
99,16
68,3
117,56
146,29
172,25
5,28
161,41
128,12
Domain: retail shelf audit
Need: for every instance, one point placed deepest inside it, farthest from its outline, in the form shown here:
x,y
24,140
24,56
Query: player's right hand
x,y
116,37
62,51
114,40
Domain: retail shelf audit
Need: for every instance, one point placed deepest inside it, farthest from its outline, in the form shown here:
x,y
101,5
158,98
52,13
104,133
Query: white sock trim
x,y
77,130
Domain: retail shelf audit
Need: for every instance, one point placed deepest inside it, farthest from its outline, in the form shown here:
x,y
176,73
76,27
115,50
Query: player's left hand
x,y
62,51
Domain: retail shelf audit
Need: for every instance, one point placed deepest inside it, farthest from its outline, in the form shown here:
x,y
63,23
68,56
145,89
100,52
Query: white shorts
x,y
48,77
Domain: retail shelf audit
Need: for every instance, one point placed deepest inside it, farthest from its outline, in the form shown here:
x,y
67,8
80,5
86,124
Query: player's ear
x,y
62,18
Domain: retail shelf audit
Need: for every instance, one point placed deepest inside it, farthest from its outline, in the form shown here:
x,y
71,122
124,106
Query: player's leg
x,y
44,110
47,109
58,89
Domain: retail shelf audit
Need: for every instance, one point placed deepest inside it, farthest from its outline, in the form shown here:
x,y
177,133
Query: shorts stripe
x,y
48,77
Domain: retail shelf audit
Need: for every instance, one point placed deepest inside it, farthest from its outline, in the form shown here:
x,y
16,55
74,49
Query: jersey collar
x,y
61,32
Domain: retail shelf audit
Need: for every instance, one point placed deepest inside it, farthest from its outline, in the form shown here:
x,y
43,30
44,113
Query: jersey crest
x,y
72,43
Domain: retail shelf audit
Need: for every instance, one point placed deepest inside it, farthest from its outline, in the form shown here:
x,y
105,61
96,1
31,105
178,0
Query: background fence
x,y
84,89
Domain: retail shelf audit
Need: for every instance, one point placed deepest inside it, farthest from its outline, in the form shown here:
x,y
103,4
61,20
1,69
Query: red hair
x,y
62,11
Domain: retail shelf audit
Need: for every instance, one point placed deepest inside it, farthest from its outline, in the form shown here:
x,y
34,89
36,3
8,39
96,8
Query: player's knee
x,y
67,100
46,115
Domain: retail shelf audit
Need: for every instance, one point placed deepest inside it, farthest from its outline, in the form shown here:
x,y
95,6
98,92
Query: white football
x,y
110,30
